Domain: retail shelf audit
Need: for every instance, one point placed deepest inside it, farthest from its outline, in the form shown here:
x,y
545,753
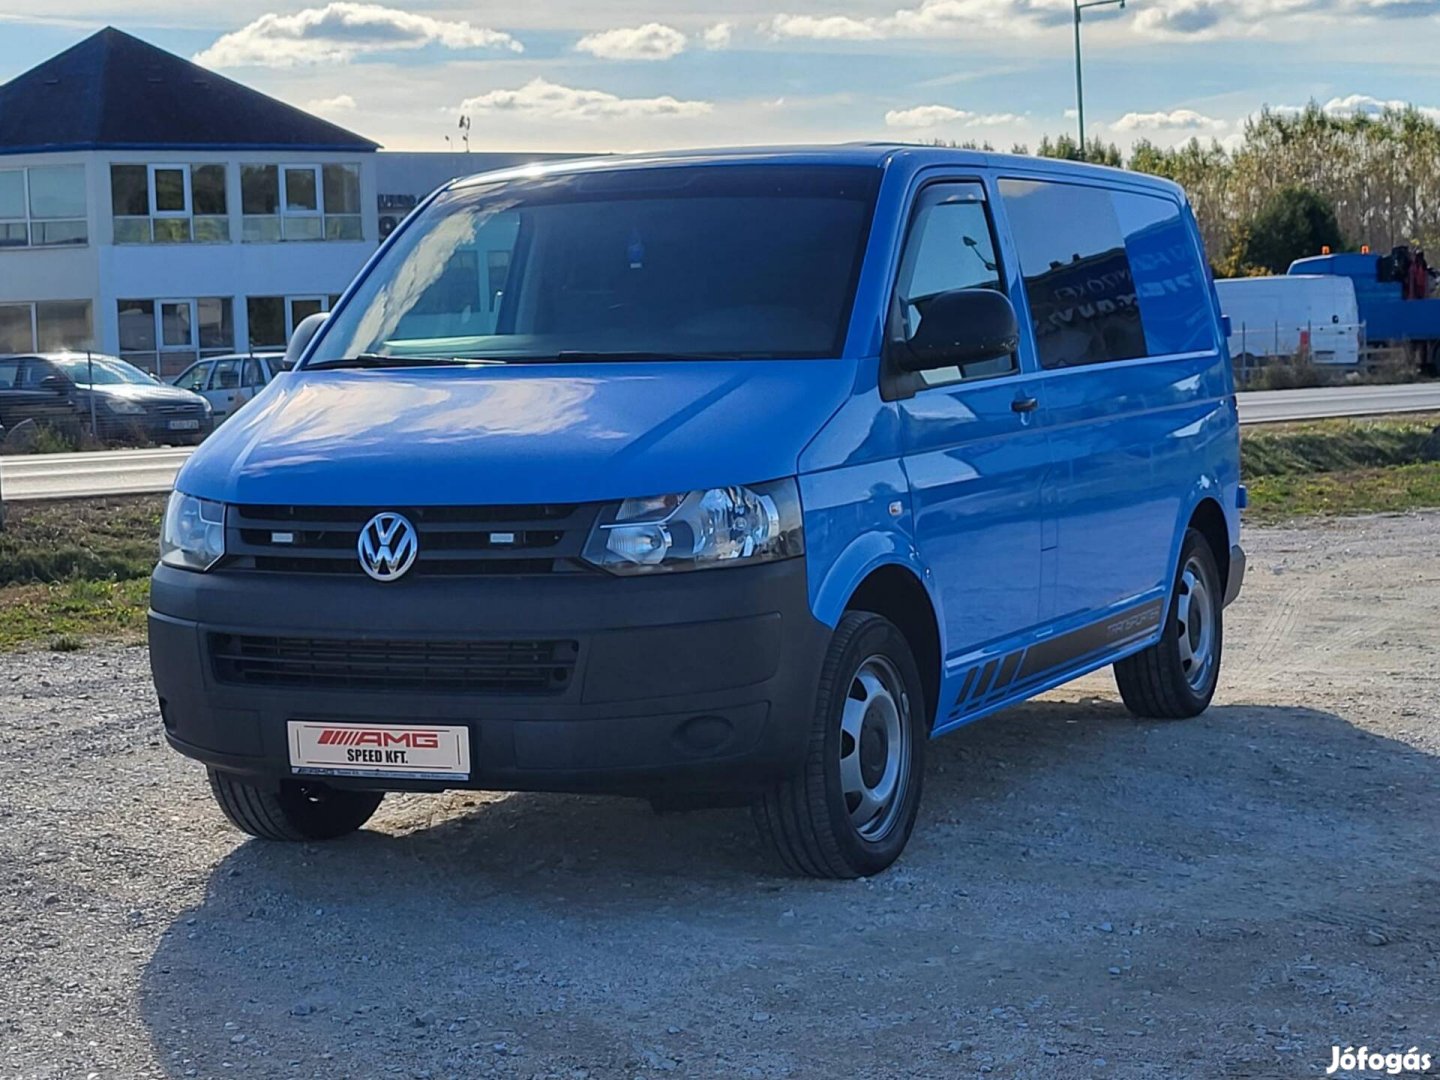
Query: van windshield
x,y
665,262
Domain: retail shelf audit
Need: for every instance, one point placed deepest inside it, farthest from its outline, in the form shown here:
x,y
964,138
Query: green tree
x,y
1293,223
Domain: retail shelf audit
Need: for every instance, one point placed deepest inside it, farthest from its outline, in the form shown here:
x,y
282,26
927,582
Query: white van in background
x,y
1281,317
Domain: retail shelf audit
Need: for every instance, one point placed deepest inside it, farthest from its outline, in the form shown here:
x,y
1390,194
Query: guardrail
x,y
132,472
103,472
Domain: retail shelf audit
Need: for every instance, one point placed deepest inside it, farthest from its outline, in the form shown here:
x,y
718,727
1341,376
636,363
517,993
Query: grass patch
x,y
1325,446
67,614
1355,491
78,569
1328,467
100,539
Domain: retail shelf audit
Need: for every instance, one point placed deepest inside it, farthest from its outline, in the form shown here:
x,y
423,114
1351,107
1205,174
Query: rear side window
x,y
9,374
1110,275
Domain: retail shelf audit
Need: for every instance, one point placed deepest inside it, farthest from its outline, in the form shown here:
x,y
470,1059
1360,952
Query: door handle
x,y
1025,404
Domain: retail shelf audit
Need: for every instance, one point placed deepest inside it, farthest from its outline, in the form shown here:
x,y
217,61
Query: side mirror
x,y
56,384
960,327
304,334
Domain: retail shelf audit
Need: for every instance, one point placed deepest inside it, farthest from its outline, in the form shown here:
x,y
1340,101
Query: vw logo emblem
x,y
388,546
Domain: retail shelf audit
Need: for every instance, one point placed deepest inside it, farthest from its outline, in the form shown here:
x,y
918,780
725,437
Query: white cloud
x,y
1175,120
825,27
930,18
653,41
717,36
340,103
928,116
340,32
541,99
1364,104
1171,19
1235,18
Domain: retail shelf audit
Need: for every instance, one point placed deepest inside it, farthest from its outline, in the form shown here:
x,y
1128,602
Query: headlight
x,y
729,526
193,536
121,407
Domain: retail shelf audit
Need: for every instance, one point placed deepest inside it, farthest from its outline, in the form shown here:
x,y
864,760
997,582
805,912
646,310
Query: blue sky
x,y
596,75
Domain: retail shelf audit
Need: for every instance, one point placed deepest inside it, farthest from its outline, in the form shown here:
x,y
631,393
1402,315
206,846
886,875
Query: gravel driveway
x,y
1086,895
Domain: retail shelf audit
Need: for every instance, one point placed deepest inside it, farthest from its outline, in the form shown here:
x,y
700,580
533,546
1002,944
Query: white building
x,y
156,210
153,209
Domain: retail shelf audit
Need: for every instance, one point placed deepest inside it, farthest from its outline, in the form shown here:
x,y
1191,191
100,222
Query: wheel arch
x,y
1209,520
893,591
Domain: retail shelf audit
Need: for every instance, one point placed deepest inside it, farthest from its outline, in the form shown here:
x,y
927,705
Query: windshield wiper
x,y
579,356
375,360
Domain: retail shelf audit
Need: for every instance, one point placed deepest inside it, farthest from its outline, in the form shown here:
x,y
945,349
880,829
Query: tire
x,y
1176,677
867,735
289,810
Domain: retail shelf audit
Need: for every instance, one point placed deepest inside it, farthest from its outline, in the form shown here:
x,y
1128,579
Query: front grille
x,y
453,540
181,409
494,667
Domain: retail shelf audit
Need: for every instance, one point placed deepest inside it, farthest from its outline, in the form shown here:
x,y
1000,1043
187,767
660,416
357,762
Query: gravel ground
x,y
1086,895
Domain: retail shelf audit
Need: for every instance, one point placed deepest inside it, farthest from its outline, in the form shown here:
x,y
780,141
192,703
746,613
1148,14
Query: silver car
x,y
228,382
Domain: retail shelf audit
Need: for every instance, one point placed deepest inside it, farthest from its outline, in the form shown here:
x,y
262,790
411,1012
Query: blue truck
x,y
1389,318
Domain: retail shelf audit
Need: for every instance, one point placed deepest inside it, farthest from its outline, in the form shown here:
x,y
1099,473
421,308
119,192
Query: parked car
x,y
130,405
711,477
33,390
228,382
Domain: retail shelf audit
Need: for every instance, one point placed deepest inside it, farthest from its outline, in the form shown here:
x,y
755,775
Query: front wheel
x,y
1175,678
849,811
289,809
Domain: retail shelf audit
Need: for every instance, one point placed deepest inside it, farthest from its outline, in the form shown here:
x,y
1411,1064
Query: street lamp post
x,y
1079,84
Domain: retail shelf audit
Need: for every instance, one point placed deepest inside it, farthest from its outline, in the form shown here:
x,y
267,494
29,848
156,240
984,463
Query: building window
x,y
45,326
43,206
273,319
300,202
169,204
167,336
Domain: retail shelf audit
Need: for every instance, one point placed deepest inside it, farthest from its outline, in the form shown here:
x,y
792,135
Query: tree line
x,y
1297,180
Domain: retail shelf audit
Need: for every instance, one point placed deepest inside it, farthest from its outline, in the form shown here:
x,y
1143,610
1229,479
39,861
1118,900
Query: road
x,y
1086,896
128,472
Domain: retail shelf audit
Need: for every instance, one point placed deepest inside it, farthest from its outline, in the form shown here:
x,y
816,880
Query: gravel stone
x,y
1244,860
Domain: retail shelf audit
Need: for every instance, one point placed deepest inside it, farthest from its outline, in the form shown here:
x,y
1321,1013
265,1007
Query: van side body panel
x,y
1127,451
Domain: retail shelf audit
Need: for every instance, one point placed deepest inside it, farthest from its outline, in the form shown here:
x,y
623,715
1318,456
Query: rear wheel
x,y
850,810
289,809
1175,678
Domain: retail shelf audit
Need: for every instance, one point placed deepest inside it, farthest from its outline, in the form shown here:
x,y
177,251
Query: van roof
x,y
876,154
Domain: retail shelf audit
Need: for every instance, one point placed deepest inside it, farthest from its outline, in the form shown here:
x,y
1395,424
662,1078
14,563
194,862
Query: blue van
x,y
711,478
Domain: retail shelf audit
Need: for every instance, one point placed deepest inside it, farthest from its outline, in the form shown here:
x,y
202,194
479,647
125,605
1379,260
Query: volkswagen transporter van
x,y
711,478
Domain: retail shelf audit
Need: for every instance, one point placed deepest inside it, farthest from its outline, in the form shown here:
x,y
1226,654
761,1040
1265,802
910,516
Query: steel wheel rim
x,y
875,748
1195,625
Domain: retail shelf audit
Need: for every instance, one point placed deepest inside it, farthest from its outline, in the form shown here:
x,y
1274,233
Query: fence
x,y
1256,347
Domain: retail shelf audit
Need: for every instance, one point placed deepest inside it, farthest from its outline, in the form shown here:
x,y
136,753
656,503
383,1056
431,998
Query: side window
x,y
1171,284
252,375
951,245
1077,272
33,372
9,373
227,375
194,379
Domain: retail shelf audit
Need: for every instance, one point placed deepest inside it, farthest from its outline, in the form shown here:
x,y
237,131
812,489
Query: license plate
x,y
392,751
184,425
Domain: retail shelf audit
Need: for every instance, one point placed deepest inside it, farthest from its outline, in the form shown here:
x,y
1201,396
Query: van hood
x,y
517,434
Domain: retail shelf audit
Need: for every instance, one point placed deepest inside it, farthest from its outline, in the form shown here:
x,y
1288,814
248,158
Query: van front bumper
x,y
681,683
